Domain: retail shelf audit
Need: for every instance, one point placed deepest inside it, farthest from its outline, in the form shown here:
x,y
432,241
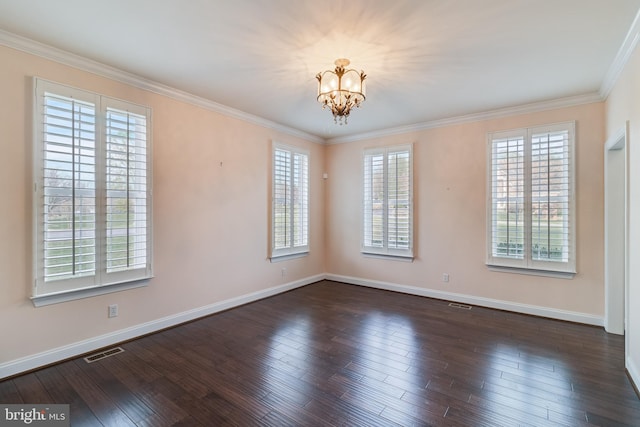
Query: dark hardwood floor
x,y
336,354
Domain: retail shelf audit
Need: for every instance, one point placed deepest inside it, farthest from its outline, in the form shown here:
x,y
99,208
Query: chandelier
x,y
341,90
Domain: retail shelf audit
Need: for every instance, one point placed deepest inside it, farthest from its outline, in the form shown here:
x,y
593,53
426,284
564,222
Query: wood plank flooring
x,y
331,354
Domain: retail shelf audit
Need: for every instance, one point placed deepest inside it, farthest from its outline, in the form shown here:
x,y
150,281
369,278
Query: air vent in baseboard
x,y
103,354
462,306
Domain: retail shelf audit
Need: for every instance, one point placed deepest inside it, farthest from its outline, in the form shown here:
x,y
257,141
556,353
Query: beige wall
x,y
210,221
622,106
450,211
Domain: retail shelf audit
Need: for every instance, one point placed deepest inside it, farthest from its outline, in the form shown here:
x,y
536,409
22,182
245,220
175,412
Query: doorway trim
x,y
616,231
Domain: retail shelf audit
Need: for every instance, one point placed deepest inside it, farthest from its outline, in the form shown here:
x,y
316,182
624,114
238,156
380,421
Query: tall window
x,y
92,201
531,208
388,201
290,210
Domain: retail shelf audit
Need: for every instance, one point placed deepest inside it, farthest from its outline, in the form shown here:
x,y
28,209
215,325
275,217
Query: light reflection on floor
x,y
289,360
524,374
389,357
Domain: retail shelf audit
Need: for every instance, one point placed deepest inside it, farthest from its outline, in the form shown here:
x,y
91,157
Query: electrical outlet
x,y
284,272
113,310
445,277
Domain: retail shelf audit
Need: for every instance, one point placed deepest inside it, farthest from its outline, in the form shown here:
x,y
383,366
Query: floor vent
x,y
103,354
462,306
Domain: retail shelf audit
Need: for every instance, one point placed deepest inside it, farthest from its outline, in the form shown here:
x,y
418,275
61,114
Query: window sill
x,y
72,295
401,258
285,257
532,272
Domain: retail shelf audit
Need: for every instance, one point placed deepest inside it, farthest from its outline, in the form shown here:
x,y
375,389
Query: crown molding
x,y
76,61
45,51
622,57
535,107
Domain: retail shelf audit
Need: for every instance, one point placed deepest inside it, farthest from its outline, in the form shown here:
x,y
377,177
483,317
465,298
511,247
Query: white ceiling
x,y
425,59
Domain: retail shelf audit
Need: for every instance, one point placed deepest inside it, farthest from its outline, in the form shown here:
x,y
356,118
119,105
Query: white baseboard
x,y
552,313
35,361
633,371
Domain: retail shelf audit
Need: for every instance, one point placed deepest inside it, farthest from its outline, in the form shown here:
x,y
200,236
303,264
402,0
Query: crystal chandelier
x,y
341,90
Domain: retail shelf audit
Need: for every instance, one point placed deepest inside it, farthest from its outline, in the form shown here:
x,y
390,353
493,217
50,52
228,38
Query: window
x,y
531,198
388,201
92,205
290,210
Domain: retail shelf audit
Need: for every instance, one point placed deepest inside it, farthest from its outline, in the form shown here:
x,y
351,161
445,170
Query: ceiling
x,y
426,60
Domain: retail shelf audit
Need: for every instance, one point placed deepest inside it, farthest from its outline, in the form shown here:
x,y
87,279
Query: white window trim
x,y
291,252
101,282
72,295
528,265
385,252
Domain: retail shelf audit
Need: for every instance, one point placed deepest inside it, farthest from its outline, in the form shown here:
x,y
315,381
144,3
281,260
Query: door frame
x,y
616,240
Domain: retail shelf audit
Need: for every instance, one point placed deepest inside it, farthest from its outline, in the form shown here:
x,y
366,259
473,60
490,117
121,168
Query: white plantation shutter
x,y
399,200
388,201
300,200
374,197
281,199
68,186
92,191
550,196
127,207
508,201
290,209
532,198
